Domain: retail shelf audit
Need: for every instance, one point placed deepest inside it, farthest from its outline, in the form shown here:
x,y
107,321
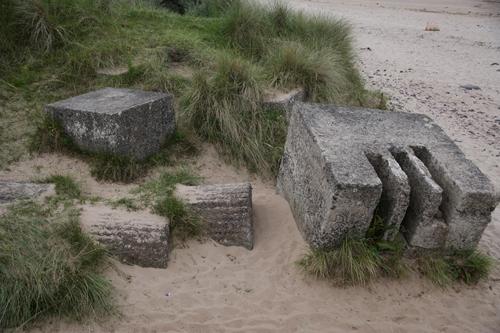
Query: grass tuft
x,y
49,267
353,263
66,186
128,203
107,167
184,224
319,73
225,109
467,266
159,194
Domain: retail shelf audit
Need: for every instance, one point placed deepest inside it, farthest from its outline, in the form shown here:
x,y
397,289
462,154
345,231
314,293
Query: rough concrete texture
x,y
117,121
339,164
12,191
226,210
423,225
395,192
136,238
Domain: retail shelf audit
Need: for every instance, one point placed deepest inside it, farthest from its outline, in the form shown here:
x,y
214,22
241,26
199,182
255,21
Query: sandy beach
x,y
211,288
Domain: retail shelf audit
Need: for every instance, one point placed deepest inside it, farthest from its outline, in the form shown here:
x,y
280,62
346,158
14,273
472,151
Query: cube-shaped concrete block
x,y
340,164
121,122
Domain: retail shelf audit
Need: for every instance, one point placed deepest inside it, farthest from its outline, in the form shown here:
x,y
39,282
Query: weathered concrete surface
x,y
136,238
12,191
117,121
333,188
423,226
395,192
226,209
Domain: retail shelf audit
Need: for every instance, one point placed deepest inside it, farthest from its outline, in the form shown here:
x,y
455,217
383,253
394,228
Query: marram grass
x,y
360,262
49,267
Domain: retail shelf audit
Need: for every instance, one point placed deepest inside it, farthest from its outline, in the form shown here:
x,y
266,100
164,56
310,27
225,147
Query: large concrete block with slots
x,y
340,164
123,122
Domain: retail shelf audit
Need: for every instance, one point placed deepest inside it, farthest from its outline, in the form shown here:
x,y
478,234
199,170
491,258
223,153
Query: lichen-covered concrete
x,y
124,122
339,164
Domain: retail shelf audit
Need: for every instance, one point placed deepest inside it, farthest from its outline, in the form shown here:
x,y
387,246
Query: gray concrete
x,y
225,209
333,187
395,193
117,121
12,191
423,225
135,238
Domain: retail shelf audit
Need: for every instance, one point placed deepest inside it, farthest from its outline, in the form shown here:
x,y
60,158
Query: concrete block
x,y
135,238
123,122
225,209
341,163
12,191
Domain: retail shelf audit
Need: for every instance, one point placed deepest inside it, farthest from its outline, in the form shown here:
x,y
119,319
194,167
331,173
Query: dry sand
x,y
211,288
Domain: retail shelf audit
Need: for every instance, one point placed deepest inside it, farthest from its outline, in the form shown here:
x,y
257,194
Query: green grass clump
x,y
225,109
184,223
159,195
467,266
355,262
319,73
49,267
107,167
361,261
128,203
65,186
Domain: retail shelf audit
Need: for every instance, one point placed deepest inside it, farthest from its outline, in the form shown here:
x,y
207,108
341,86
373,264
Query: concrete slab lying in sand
x,y
136,238
226,210
333,187
124,122
12,191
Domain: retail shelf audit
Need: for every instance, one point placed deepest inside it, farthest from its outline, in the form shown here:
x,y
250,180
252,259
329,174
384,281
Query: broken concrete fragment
x,y
12,191
136,238
226,209
333,189
124,122
395,194
283,100
423,225
112,71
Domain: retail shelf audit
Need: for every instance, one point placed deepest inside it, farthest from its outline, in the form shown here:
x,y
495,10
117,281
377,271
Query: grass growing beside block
x,y
49,267
360,262
159,195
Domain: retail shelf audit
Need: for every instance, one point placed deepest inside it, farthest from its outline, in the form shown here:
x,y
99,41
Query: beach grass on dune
x,y
217,59
49,267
